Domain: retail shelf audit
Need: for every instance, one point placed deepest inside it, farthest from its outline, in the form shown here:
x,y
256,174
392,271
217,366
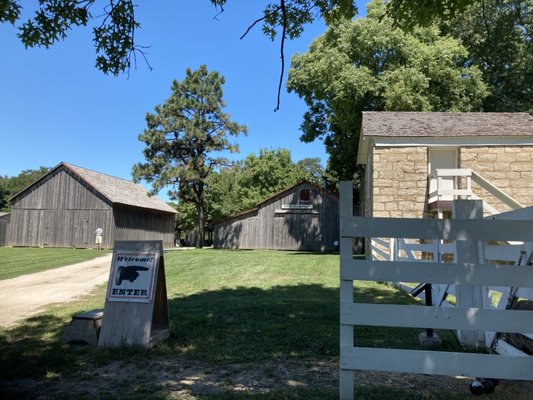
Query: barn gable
x,y
302,217
64,207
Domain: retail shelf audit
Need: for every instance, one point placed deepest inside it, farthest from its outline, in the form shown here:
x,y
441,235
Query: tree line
x,y
405,55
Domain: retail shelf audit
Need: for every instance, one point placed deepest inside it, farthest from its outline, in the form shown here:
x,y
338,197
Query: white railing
x,y
468,316
443,177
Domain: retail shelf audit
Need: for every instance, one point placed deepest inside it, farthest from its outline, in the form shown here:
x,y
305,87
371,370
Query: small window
x,y
305,195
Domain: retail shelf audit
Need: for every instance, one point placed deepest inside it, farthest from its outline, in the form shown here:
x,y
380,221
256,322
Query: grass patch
x,y
226,308
18,261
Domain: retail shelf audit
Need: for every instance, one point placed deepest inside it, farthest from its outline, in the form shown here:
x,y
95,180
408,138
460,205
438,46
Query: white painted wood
x,y
501,252
438,363
517,215
415,316
469,295
496,192
346,384
440,158
346,377
503,230
430,272
505,349
473,269
132,323
525,293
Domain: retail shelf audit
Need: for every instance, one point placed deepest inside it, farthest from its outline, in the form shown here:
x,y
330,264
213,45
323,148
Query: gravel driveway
x,y
26,295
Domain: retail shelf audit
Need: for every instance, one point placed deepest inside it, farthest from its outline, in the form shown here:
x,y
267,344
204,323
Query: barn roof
x,y
116,190
440,124
277,194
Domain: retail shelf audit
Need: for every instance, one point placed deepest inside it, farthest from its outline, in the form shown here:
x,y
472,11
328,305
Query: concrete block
x,y
84,328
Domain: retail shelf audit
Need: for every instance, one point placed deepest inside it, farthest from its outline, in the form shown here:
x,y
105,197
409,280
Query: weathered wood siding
x,y
139,224
60,211
3,232
273,227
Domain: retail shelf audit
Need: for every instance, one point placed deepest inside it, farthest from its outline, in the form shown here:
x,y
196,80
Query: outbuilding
x,y
416,163
65,207
302,217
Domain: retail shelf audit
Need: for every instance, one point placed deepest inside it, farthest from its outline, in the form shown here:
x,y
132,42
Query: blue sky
x,y
55,106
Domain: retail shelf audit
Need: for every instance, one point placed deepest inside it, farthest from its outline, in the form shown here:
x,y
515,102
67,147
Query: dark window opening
x,y
305,195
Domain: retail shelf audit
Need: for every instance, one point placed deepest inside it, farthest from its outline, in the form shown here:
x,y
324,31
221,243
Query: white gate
x,y
466,272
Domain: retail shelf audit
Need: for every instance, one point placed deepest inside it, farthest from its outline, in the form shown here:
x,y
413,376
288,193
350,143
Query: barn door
x,y
440,158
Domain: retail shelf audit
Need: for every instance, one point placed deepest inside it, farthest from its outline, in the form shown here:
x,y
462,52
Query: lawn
x,y
18,261
262,324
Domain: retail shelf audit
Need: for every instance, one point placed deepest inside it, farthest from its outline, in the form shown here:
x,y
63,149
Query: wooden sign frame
x,y
136,306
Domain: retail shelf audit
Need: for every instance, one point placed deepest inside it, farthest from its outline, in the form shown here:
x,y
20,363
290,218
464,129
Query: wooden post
x,y
346,378
468,252
136,308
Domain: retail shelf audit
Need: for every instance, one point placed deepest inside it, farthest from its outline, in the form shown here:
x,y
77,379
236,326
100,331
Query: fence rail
x,y
466,316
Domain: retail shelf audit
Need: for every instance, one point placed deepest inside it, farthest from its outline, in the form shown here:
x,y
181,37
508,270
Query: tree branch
x,y
252,25
282,51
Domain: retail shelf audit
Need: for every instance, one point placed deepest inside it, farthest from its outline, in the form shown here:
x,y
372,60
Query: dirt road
x,y
26,295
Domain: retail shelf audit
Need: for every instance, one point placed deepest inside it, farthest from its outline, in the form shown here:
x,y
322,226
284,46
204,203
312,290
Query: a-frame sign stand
x,y
136,307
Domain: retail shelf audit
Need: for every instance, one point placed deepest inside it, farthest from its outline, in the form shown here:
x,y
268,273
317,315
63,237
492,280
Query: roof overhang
x,y
367,142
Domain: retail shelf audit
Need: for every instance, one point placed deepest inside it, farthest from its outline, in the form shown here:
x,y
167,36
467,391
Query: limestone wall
x,y
508,168
399,182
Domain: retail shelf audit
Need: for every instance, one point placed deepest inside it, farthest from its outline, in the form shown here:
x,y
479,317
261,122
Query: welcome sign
x,y
136,307
132,276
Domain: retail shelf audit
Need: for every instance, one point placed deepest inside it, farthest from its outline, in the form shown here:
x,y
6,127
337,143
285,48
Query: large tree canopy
x,y
184,138
498,35
367,64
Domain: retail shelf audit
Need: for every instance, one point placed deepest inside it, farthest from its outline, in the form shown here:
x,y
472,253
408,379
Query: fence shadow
x,y
237,325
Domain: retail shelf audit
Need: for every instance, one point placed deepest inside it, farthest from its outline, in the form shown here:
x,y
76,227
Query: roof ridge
x,y
97,172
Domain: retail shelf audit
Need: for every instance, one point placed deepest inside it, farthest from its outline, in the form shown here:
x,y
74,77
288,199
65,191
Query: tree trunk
x,y
200,227
200,221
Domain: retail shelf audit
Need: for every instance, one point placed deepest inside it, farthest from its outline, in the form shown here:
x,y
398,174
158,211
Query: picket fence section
x,y
464,271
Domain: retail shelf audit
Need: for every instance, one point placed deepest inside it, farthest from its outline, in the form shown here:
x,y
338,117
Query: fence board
x,y
437,363
457,229
405,271
415,316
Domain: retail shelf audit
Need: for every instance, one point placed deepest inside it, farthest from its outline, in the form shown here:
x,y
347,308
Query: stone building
x,y
417,162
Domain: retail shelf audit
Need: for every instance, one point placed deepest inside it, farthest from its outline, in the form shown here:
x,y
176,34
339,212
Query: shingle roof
x,y
451,124
116,190
119,190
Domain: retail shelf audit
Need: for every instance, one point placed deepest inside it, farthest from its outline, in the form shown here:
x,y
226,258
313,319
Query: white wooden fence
x,y
466,271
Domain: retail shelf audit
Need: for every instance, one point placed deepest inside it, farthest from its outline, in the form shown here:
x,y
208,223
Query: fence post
x,y
346,376
468,252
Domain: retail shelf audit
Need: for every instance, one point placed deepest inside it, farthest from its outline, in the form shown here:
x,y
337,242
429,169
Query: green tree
x,y
498,36
115,23
240,187
184,138
408,14
367,64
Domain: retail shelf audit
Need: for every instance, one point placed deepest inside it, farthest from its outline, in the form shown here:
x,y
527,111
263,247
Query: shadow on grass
x,y
249,324
240,325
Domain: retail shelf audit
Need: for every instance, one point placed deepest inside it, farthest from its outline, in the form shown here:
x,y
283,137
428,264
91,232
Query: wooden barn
x,y
302,217
4,223
65,207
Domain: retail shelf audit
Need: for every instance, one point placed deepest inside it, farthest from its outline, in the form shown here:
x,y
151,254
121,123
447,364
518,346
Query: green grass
x,y
226,308
18,261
